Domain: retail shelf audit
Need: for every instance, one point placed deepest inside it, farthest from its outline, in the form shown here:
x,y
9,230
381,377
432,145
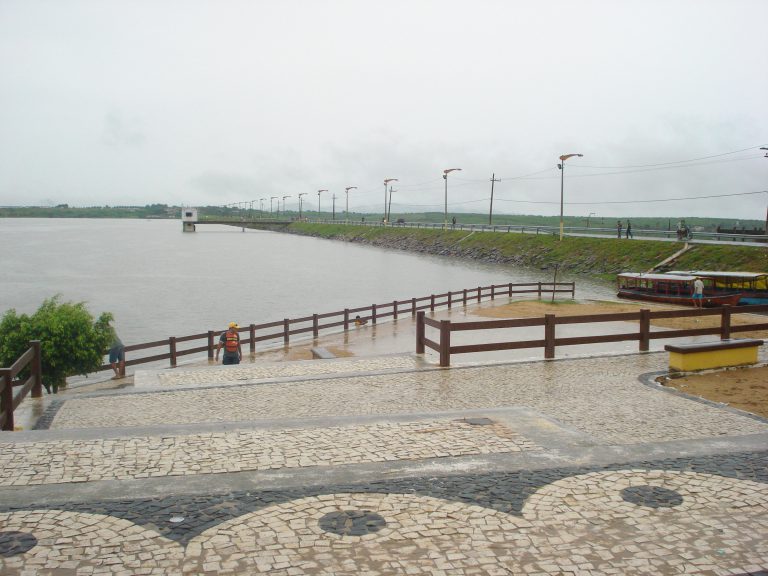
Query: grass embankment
x,y
602,257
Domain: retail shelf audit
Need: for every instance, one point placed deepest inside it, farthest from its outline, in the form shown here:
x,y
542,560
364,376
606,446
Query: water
x,y
160,282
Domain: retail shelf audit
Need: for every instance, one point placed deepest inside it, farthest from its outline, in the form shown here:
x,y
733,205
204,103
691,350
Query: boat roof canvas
x,y
718,274
666,277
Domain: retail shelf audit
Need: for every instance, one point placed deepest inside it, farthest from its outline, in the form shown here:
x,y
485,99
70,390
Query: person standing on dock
x,y
230,341
629,229
618,229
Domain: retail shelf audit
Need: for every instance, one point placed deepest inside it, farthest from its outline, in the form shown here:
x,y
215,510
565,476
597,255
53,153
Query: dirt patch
x,y
299,353
742,388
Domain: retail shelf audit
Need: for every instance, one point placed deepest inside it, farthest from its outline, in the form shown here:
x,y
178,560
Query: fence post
x,y
479,292
420,332
346,319
172,346
445,343
394,310
549,336
464,298
725,323
645,330
253,338
373,313
6,398
432,303
539,288
37,369
510,289
413,306
493,291
315,329
210,344
573,290
286,330
450,299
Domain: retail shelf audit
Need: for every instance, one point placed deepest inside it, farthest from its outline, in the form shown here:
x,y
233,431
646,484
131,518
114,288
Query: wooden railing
x,y
314,323
8,381
550,340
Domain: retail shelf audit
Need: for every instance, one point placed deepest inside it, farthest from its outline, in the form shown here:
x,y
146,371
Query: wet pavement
x,y
388,465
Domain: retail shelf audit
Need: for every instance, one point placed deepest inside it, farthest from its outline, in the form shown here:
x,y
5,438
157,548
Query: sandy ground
x,y
743,388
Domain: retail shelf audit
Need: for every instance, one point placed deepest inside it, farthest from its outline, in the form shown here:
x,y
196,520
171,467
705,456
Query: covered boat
x,y
752,285
671,289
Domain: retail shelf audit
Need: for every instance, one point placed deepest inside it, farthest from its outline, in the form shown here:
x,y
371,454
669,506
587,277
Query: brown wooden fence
x,y
8,381
550,340
314,323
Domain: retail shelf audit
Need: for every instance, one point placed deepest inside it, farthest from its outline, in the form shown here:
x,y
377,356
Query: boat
x,y
671,289
752,285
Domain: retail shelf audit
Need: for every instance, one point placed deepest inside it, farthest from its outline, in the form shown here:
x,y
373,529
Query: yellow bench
x,y
717,354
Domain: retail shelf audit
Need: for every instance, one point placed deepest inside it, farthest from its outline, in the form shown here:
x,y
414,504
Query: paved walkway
x,y
388,466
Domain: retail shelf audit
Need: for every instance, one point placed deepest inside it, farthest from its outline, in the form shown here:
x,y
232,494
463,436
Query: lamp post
x,y
766,210
270,205
389,209
386,182
588,217
261,207
284,197
300,200
445,177
346,191
561,166
318,201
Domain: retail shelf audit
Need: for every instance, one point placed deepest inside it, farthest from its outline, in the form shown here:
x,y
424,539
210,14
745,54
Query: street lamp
x,y
270,205
318,201
389,210
300,201
766,210
284,197
445,177
346,190
386,182
561,166
261,209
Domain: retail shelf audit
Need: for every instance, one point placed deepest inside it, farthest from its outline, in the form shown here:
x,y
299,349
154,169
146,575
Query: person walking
x,y
618,228
629,229
698,293
230,341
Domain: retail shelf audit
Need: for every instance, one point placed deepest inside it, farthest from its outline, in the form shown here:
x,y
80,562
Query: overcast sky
x,y
194,102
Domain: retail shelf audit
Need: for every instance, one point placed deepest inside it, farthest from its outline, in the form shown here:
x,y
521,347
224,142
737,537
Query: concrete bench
x,y
322,354
715,354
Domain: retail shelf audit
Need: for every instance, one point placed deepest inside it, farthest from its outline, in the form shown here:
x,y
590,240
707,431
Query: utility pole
x,y
389,210
490,214
333,217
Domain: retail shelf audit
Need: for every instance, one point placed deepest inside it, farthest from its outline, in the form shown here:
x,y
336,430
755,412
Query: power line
x,y
639,201
668,163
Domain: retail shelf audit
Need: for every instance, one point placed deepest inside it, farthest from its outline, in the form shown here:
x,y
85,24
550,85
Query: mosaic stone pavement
x,y
578,466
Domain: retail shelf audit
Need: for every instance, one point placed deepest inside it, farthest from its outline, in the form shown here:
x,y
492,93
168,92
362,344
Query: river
x,y
158,281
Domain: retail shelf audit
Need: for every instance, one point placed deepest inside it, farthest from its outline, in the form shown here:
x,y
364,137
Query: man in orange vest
x,y
230,341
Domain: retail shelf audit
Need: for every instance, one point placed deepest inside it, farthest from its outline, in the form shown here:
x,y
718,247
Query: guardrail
x,y
550,321
314,323
31,359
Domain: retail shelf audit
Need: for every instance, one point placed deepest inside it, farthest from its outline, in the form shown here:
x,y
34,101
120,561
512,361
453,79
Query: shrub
x,y
70,341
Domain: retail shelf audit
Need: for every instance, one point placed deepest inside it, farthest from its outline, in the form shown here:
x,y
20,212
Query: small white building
x,y
188,219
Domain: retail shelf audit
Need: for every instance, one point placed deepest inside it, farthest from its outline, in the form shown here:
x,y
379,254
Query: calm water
x,y
160,282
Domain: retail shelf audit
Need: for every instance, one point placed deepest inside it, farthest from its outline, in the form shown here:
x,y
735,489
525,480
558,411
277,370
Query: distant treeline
x,y
174,212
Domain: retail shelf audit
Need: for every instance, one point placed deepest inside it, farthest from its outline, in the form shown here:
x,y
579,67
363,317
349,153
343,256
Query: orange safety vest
x,y
232,341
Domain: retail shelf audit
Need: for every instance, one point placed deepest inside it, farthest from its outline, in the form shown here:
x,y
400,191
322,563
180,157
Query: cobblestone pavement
x,y
566,467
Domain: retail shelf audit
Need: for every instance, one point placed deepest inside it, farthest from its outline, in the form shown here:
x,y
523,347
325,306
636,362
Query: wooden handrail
x,y
342,318
550,321
31,359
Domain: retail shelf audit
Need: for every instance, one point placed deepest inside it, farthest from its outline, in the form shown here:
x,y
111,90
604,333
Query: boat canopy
x,y
657,277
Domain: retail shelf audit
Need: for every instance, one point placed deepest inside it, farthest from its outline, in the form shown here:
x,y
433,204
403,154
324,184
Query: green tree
x,y
71,342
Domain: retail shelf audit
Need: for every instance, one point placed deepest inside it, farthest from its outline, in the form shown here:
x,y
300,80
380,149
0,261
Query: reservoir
x,y
158,281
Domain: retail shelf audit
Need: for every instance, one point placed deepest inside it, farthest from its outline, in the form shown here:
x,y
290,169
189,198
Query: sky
x,y
210,102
